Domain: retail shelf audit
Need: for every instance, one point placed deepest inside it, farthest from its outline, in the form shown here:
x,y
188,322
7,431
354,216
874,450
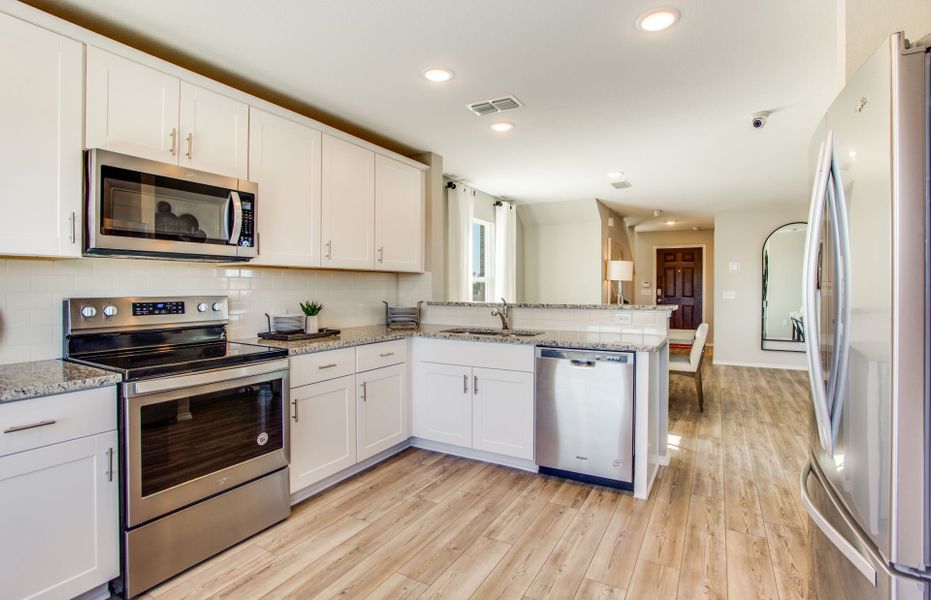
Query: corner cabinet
x,y
284,159
59,496
136,110
399,216
348,202
41,154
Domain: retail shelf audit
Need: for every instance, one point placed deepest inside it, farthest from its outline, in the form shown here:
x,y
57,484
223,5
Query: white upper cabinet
x,y
284,159
399,216
140,111
348,215
214,132
131,108
41,154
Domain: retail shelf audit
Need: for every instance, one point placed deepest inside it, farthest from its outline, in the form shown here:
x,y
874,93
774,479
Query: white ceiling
x,y
671,110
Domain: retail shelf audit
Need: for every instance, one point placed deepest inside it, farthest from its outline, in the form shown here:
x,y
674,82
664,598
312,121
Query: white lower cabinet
x,y
382,419
502,412
59,510
323,430
443,403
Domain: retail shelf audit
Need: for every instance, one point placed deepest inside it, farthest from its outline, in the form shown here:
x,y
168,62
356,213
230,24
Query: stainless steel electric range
x,y
203,428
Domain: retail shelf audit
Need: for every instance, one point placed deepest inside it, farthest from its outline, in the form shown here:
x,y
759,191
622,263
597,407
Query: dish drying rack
x,y
403,317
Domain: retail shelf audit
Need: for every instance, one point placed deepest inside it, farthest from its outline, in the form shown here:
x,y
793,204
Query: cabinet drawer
x,y
492,355
384,354
55,419
311,368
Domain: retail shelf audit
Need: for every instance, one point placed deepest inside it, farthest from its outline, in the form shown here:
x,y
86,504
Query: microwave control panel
x,y
247,235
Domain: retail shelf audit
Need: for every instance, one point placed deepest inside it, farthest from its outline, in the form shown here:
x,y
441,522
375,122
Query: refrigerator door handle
x,y
859,561
838,201
810,295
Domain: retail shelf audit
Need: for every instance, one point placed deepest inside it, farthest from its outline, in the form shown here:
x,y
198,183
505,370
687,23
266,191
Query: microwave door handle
x,y
236,229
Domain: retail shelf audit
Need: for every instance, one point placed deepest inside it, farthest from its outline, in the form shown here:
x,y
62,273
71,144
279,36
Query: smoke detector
x,y
490,107
657,212
622,184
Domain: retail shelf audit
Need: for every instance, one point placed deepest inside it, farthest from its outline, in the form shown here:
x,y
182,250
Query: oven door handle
x,y
236,206
277,368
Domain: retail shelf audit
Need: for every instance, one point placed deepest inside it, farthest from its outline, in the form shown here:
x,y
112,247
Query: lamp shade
x,y
620,270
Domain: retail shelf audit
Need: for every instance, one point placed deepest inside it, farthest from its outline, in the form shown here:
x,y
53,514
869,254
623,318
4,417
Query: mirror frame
x,y
775,345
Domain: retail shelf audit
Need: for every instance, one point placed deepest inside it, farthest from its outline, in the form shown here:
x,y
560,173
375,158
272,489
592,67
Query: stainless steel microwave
x,y
142,208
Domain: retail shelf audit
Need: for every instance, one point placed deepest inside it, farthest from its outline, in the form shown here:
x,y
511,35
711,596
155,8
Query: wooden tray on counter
x,y
296,337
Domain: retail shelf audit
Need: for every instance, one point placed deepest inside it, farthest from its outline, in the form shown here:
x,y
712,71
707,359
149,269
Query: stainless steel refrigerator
x,y
866,303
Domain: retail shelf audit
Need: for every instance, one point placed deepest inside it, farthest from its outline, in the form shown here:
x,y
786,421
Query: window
x,y
483,252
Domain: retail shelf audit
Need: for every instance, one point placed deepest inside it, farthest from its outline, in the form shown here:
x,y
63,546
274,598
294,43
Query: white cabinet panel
x,y
348,198
399,216
382,415
284,159
41,154
59,514
131,108
502,411
214,132
442,404
323,430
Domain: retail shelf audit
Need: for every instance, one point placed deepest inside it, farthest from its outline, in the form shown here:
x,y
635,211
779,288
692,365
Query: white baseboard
x,y
737,363
315,488
489,457
659,460
101,592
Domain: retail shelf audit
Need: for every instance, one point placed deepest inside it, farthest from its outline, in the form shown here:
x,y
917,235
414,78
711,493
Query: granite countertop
x,y
654,307
20,381
585,340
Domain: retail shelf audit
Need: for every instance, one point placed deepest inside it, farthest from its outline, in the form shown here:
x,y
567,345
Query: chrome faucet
x,y
504,312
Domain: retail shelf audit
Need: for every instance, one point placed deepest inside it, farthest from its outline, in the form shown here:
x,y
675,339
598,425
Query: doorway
x,y
679,280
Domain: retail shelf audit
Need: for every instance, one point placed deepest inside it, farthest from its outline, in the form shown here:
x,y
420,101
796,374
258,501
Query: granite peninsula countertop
x,y
585,340
20,381
653,307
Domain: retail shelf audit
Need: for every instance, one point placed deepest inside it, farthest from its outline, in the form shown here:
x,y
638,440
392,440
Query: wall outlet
x,y
734,267
622,318
729,295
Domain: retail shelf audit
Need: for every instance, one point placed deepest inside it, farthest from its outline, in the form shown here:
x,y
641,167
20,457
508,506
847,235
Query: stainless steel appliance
x,y
138,207
203,428
866,486
585,415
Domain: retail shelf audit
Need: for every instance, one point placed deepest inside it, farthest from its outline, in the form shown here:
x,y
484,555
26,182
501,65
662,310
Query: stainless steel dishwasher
x,y
585,415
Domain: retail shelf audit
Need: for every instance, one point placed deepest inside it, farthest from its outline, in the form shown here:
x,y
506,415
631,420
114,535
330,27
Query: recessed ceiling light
x,y
438,74
671,222
658,20
616,175
502,126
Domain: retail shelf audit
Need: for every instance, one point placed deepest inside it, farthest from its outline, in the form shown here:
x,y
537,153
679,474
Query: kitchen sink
x,y
492,332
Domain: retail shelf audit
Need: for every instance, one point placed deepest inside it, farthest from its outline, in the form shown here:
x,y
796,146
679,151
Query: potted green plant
x,y
311,310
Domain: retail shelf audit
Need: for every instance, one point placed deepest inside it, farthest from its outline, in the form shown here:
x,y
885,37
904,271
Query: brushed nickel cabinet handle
x,y
364,392
110,464
386,354
74,233
329,249
329,366
16,428
475,384
381,254
465,384
294,416
190,146
174,141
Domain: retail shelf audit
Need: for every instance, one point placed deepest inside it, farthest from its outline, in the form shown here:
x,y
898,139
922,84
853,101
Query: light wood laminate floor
x,y
724,520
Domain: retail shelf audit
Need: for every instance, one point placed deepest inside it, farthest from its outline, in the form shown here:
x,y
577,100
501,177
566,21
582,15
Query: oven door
x,y
193,436
141,207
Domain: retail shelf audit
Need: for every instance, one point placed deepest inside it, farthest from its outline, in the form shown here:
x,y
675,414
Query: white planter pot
x,y
311,324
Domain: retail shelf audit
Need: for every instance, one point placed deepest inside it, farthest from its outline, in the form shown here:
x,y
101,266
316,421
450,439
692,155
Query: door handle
x,y
386,354
174,141
110,464
236,229
190,146
329,249
16,428
381,254
475,384
294,416
74,227
327,366
465,384
364,392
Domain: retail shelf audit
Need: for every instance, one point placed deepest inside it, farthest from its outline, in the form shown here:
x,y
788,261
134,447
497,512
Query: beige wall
x,y
786,250
739,238
645,266
613,228
869,22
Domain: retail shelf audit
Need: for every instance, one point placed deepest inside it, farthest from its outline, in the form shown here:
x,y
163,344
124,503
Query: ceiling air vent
x,y
620,185
488,107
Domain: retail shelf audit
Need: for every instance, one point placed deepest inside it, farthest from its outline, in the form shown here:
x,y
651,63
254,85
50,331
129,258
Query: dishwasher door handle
x,y
583,364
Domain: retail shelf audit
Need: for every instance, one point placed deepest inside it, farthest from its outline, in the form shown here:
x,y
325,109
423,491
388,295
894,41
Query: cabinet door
x,y
382,415
399,216
214,132
323,430
348,218
131,108
59,513
41,154
284,159
502,412
443,404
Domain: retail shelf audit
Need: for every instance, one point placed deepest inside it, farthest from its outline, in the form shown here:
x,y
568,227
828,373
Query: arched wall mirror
x,y
783,322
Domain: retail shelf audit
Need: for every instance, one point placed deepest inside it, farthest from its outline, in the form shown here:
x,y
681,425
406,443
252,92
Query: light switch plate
x,y
729,295
734,267
622,318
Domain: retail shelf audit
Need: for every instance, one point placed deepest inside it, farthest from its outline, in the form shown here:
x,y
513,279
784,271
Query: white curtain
x,y
505,252
460,209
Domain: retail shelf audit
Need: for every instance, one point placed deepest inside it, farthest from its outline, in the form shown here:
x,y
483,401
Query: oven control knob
x,y
88,311
110,310
217,306
202,307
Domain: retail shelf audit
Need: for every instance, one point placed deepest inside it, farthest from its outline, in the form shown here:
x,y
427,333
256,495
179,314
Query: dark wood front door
x,y
678,281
